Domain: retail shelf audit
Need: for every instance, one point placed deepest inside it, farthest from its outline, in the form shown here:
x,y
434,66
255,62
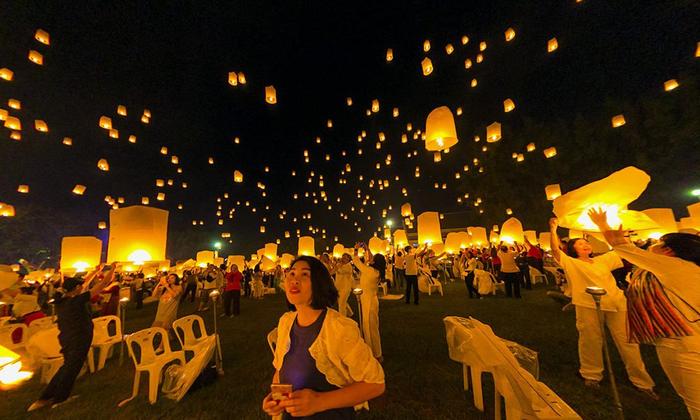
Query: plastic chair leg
x,y
105,352
465,376
153,381
91,359
135,391
497,406
476,388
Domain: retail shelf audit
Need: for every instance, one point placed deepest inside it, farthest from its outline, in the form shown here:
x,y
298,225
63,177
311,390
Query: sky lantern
x,y
348,101
145,201
174,160
160,196
41,126
121,110
270,95
552,191
406,208
612,194
512,231
510,34
429,228
474,83
16,135
530,147
80,253
464,40
306,246
6,74
427,66
286,260
23,189
552,45
389,55
449,49
400,238
338,250
137,233
550,152
618,121
670,84
103,165
437,157
494,238
509,211
13,123
6,210
697,50
270,251
42,36
531,236
205,258
375,106
478,235
132,139
519,158
14,104
426,45
452,242
160,182
3,114
241,78
163,150
210,160
36,57
145,119
79,189
508,105
664,218
147,113
493,132
232,78
544,239
67,141
376,245
114,133
440,130
102,225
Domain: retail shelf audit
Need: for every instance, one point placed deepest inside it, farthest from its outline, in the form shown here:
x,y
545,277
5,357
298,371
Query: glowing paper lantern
x,y
429,228
338,250
478,235
406,210
79,189
440,130
145,201
530,147
376,245
42,36
426,45
552,45
493,132
270,95
24,189
427,66
163,150
6,74
41,126
531,236
694,210
13,123
664,218
14,104
137,231
400,238
6,210
160,197
465,39
452,242
493,237
375,106
80,253
671,84
103,165
512,231
612,194
618,121
36,57
449,49
389,55
544,240
270,251
121,110
239,260
232,78
550,152
205,258
508,105
510,34
237,176
102,225
464,239
286,260
174,160
306,246
114,133
552,191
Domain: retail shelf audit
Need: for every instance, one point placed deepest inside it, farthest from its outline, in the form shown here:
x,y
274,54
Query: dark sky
x,y
173,58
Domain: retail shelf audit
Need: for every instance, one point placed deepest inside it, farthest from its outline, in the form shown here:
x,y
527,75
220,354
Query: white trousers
x,y
370,322
683,370
590,346
343,295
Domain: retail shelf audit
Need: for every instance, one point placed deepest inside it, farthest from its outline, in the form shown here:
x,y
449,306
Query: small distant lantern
x,y
102,225
79,189
508,105
671,84
375,106
241,78
67,141
163,150
552,45
395,112
6,74
473,83
348,101
449,49
510,34
41,126
232,78
550,152
552,191
427,66
531,147
145,201
114,133
426,45
618,121
237,176
42,36
36,57
389,55
520,157
103,165
13,123
465,40
160,183
132,139
160,196
14,104
23,189
437,157
493,132
174,160
121,110
270,95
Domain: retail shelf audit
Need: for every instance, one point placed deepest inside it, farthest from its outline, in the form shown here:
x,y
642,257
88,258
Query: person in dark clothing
x,y
524,267
75,334
190,286
232,292
138,289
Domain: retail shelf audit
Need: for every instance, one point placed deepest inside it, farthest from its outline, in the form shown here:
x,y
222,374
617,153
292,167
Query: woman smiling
x,y
320,352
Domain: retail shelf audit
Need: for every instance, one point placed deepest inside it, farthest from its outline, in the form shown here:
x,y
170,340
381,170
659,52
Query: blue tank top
x,y
299,369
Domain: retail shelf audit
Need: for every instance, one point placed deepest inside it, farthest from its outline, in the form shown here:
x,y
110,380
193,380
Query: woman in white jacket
x,y
319,352
370,276
344,282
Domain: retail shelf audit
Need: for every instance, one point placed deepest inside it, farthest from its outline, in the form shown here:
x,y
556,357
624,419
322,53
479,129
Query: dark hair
x,y
407,248
323,291
570,250
140,276
177,278
379,264
686,246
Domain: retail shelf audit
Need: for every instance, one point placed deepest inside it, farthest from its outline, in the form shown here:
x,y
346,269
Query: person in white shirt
x,y
411,274
370,276
665,288
510,270
583,271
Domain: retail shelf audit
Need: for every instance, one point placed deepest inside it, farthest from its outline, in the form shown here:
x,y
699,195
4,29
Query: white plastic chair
x,y
103,340
150,359
432,283
6,336
184,330
272,340
537,276
41,324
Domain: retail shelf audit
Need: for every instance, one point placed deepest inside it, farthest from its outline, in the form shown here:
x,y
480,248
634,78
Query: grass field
x,y
422,382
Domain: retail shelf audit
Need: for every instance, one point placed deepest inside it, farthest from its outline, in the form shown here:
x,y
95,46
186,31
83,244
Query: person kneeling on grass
x,y
320,352
75,334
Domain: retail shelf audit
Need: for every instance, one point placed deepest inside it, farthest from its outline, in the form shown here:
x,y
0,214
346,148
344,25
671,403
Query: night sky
x,y
173,59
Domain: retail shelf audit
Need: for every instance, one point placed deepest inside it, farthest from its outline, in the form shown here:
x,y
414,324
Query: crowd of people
x,y
329,364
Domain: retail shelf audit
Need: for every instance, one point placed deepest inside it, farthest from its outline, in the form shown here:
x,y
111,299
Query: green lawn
x,y
422,382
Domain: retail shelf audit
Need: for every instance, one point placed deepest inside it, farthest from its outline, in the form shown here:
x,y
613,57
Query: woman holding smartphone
x,y
169,289
320,356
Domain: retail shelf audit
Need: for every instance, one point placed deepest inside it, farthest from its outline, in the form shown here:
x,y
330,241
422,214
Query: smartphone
x,y
280,392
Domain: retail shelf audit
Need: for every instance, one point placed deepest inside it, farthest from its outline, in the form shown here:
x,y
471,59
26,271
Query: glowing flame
x,y
81,266
139,256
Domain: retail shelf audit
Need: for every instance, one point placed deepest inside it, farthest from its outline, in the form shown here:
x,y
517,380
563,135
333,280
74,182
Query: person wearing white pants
x,y
343,282
370,275
674,265
583,271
